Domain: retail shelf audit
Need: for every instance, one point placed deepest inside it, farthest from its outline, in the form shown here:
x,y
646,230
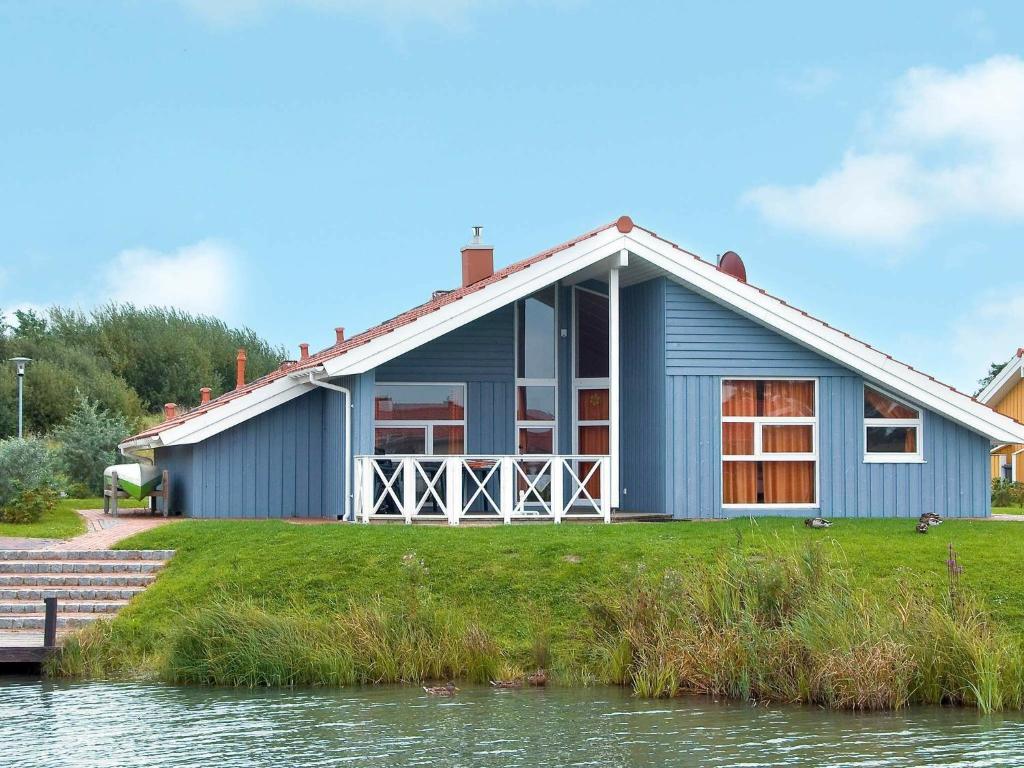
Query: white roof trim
x,y
1003,382
695,273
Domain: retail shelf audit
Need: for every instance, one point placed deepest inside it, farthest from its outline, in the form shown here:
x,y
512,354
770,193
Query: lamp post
x,y
19,366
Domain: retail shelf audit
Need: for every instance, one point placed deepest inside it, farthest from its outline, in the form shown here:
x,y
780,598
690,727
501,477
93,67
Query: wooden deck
x,y
21,647
483,520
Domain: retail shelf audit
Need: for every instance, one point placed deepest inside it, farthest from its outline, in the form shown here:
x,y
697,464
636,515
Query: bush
x,y
29,506
1007,494
89,441
25,465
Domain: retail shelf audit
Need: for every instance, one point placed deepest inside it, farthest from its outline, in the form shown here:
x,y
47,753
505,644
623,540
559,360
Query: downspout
x,y
348,438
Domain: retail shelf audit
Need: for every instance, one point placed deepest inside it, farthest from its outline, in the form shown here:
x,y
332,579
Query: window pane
x,y
536,336
739,398
419,402
879,406
593,441
535,403
391,440
788,482
536,440
739,482
591,335
892,440
737,438
788,438
787,398
449,441
592,404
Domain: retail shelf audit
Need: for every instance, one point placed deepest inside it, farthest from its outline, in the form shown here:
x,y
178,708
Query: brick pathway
x,y
102,531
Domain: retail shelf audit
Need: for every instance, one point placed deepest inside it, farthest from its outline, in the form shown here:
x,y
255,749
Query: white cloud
x,y
392,12
988,332
949,144
200,278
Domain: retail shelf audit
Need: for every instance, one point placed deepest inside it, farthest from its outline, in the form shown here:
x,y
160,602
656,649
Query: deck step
x,y
8,607
86,554
57,580
70,593
37,620
79,566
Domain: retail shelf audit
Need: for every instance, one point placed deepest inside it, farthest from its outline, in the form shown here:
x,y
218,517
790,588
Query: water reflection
x,y
106,724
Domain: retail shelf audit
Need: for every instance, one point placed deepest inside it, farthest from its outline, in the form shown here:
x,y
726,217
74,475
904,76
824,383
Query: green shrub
x,y
29,506
1007,494
88,444
25,465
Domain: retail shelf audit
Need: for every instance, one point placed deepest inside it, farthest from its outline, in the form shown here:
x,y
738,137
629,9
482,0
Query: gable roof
x,y
611,244
1004,381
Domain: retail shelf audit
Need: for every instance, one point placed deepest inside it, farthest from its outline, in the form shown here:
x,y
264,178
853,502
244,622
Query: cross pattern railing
x,y
507,488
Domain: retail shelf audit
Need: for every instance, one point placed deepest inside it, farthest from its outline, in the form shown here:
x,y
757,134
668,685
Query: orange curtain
x,y
879,406
788,482
593,405
593,441
787,438
737,438
739,482
788,398
739,398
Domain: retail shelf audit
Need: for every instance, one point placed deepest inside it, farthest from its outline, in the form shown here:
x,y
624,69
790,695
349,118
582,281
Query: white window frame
x,y
893,458
585,383
426,424
551,424
759,454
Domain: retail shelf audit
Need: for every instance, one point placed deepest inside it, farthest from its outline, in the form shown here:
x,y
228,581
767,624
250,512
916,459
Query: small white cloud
x,y
947,144
199,278
391,12
811,82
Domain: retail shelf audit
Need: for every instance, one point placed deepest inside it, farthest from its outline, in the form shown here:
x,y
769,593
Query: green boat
x,y
137,480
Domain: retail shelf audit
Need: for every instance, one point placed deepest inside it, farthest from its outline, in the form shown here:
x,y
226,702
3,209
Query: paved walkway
x,y
102,531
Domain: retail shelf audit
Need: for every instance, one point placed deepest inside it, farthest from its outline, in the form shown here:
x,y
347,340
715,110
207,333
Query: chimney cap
x,y
477,240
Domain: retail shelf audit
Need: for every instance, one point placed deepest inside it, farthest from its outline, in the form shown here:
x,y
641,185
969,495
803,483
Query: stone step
x,y
79,566
37,620
9,607
86,554
59,580
72,593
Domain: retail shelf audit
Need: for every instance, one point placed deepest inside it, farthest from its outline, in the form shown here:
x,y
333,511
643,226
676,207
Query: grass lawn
x,y
1008,510
519,580
62,523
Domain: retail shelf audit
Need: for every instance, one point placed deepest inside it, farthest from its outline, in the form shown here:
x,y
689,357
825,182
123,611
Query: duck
x,y
931,518
538,679
448,689
922,527
506,683
817,522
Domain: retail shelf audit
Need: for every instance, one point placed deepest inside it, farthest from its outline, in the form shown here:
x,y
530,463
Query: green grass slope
x,y
61,523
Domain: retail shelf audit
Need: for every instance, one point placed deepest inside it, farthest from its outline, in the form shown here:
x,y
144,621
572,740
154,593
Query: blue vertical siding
x,y
642,396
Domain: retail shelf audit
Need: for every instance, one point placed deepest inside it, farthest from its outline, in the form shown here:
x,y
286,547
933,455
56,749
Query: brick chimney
x,y
339,335
303,351
170,411
240,368
477,259
204,395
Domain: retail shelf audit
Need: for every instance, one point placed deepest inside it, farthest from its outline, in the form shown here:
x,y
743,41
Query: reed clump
x,y
785,624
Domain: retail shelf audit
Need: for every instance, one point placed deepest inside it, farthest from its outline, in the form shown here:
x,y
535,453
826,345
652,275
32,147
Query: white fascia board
x,y
831,343
476,305
1014,369
235,411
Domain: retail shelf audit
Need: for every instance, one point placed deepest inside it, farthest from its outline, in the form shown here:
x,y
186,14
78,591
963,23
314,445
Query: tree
x,y
994,369
88,443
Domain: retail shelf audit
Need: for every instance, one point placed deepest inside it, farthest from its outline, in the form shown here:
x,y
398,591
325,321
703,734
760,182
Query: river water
x,y
110,724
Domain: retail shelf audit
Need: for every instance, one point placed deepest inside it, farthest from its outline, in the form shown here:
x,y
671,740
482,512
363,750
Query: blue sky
x,y
294,165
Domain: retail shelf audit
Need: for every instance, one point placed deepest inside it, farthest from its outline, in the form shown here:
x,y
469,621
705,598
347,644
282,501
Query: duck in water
x,y
506,683
817,522
538,679
448,689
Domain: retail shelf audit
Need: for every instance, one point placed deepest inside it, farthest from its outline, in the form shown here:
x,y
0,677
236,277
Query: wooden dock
x,y
27,647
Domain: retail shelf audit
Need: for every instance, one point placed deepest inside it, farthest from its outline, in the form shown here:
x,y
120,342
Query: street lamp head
x,y
20,363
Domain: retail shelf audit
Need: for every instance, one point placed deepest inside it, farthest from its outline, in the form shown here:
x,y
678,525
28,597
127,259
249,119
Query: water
x,y
105,724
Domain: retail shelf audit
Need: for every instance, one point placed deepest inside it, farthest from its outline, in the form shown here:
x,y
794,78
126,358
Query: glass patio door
x,y
591,400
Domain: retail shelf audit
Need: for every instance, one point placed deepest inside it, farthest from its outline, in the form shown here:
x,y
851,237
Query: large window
x,y
892,428
419,419
536,377
769,442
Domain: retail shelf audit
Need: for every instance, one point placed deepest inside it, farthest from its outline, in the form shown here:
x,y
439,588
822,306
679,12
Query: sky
x,y
295,165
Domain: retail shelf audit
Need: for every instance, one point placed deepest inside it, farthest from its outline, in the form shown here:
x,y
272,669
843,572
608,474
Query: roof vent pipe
x,y
303,351
240,359
477,259
170,411
339,335
204,395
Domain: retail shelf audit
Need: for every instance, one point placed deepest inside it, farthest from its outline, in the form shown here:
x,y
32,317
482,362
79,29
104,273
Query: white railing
x,y
507,488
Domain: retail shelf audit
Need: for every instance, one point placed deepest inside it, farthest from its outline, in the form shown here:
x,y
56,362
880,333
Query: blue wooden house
x,y
613,374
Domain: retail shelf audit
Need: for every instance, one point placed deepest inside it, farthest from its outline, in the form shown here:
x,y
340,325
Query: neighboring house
x,y
614,372
1005,393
